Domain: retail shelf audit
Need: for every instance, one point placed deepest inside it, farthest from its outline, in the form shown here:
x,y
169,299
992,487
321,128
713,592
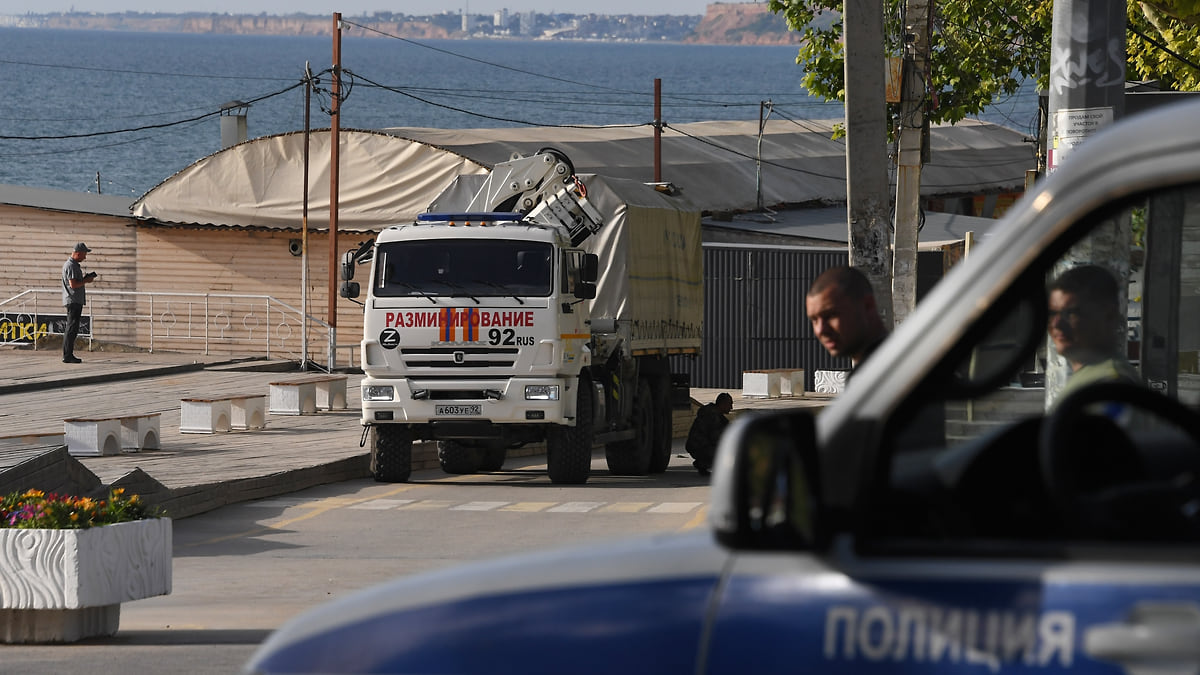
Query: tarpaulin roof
x,y
390,175
828,225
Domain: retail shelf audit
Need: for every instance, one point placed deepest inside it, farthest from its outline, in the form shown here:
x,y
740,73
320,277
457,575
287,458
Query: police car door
x,y
977,523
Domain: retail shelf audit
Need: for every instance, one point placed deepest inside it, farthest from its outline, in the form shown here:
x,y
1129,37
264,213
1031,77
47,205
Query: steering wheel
x,y
1095,474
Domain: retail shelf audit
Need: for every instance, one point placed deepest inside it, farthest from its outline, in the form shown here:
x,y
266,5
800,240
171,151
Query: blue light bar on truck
x,y
479,217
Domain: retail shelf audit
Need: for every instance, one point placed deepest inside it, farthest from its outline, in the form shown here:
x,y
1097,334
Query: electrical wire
x,y
1166,48
415,43
122,71
163,125
589,85
739,153
485,115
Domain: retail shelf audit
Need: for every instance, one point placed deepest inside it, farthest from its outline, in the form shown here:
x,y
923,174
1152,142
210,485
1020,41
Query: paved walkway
x,y
193,473
190,473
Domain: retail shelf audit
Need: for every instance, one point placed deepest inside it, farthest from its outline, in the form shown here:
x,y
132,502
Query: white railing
x,y
212,322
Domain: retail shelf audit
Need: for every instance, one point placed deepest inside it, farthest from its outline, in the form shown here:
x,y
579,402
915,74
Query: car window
x,y
1084,386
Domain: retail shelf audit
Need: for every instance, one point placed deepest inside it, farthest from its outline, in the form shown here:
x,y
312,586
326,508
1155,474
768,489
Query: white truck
x,y
516,311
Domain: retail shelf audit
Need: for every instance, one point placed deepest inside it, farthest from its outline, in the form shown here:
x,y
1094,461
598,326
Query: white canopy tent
x,y
390,175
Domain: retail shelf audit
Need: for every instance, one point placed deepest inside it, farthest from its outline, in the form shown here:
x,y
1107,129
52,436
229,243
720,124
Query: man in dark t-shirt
x,y
841,308
74,297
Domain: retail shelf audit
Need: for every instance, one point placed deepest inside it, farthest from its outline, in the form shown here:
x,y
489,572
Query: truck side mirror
x,y
589,268
348,263
766,490
349,290
585,290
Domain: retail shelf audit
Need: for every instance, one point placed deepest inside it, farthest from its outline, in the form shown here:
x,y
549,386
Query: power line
x,y
138,72
531,73
483,62
145,127
739,153
1182,59
479,114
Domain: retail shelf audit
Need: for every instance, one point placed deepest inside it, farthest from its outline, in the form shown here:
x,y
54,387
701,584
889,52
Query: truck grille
x,y
459,357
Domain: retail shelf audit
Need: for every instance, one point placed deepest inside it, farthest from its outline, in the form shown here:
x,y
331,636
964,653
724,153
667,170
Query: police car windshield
x,y
464,267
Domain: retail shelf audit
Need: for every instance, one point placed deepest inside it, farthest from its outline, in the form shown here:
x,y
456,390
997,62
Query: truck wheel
x,y
632,457
457,457
569,449
664,431
494,454
391,453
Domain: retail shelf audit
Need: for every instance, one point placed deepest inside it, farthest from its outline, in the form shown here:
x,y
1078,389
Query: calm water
x,y
84,83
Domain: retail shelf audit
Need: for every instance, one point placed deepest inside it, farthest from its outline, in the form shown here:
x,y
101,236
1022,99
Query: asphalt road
x,y
244,569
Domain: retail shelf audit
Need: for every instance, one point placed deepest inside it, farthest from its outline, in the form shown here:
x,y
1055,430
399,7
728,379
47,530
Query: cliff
x,y
742,23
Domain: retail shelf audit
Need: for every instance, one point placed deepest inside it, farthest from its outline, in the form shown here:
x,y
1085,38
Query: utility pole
x,y
1087,93
308,87
910,157
334,137
867,199
764,111
658,125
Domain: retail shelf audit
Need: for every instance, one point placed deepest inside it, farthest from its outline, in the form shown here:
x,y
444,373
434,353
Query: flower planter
x,y
66,585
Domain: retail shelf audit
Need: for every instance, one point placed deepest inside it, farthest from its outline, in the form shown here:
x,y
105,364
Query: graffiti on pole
x,y
1080,65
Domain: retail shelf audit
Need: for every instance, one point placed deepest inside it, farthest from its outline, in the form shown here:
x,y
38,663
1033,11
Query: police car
x,y
937,517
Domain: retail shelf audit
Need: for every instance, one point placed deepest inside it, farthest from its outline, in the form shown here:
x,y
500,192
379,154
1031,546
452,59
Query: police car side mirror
x,y
766,490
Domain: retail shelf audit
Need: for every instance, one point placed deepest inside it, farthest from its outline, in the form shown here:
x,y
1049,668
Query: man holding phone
x,y
74,297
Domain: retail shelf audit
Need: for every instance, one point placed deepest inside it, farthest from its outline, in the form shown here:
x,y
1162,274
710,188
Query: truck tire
x,y
494,455
632,457
569,449
459,458
391,453
664,431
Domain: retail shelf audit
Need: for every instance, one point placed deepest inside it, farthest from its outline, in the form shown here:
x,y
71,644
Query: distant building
x,y
528,23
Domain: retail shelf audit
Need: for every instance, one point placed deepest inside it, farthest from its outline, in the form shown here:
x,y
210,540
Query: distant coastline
x,y
747,23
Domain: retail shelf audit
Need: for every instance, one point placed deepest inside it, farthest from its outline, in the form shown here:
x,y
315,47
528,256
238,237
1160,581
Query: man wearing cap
x,y
74,296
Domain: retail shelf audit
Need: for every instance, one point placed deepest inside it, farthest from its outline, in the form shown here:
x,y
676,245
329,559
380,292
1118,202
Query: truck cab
x,y
941,515
475,334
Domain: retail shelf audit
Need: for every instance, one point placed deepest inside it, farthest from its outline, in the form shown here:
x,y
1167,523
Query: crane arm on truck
x,y
544,188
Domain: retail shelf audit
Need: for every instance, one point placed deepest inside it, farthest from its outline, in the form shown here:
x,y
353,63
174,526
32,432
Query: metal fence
x,y
754,312
212,323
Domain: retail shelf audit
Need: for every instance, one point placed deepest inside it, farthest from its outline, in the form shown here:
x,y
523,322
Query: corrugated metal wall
x,y
754,315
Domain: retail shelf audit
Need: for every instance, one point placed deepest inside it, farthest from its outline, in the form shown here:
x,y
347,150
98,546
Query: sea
x,y
120,112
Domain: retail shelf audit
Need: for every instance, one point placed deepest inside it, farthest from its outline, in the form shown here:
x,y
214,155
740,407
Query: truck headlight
x,y
379,392
541,392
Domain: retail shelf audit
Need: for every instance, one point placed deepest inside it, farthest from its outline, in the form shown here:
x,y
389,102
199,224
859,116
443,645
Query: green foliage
x,y
34,509
982,50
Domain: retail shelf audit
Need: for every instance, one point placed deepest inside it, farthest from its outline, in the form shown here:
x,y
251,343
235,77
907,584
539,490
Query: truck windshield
x,y
475,267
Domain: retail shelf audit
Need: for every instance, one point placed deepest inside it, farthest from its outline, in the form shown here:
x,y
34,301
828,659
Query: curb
x,y
101,377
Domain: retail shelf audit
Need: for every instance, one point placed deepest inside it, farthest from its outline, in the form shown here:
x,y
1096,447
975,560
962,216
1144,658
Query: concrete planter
x,y
67,585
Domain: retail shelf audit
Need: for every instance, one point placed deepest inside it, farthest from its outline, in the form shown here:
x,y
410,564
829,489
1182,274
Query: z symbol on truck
x,y
389,338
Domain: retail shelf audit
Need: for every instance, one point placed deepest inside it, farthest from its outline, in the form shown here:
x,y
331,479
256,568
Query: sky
x,y
355,7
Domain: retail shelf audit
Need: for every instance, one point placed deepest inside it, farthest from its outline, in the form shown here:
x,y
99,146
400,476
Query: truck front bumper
x,y
514,401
